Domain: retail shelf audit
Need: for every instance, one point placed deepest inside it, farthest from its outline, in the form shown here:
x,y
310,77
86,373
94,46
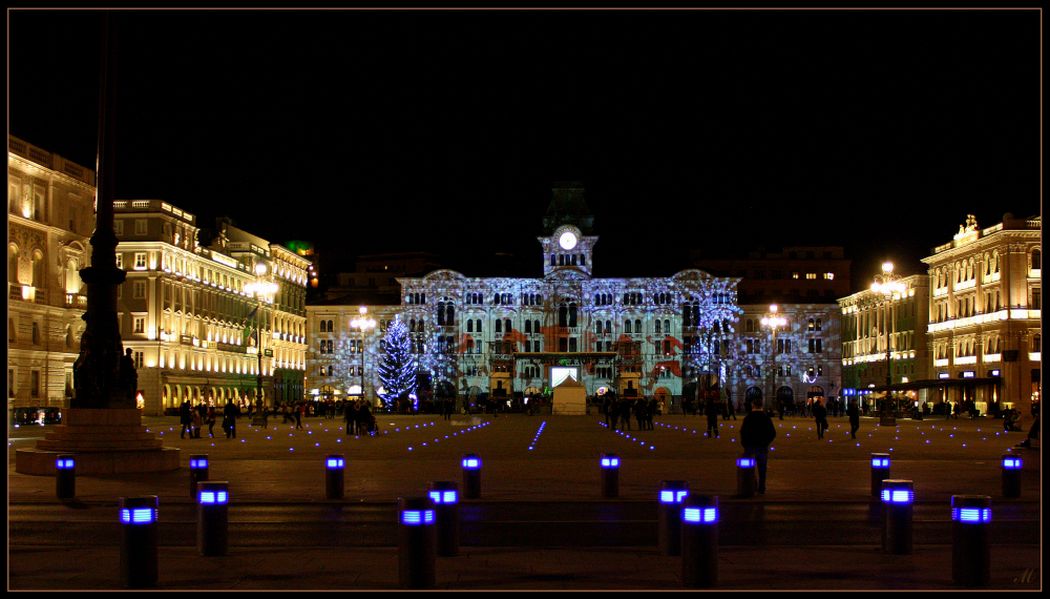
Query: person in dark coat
x,y
820,416
350,415
712,409
186,419
229,419
854,418
756,434
624,410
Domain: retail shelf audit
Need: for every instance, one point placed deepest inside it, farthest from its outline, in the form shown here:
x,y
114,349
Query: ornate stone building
x,y
50,218
985,313
192,315
519,335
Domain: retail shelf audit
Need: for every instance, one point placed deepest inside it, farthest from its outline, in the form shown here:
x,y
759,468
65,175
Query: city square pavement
x,y
549,465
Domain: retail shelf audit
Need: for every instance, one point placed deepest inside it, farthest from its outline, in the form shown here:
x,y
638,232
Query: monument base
x,y
569,402
103,441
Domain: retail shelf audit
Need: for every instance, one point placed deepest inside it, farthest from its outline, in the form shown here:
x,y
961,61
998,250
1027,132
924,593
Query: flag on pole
x,y
248,325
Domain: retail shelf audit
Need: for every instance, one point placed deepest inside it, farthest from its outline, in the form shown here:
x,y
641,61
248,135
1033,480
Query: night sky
x,y
366,131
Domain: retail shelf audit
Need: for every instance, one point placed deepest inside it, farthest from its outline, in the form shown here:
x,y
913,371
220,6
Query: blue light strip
x,y
1012,463
336,462
198,464
416,517
695,515
139,515
745,463
673,496
471,463
897,496
64,464
972,515
880,462
610,462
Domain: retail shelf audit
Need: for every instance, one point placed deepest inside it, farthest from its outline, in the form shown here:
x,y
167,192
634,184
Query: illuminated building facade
x,y
503,335
189,315
870,320
985,313
50,218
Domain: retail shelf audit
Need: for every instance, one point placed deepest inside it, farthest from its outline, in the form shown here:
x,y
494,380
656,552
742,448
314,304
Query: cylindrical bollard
x,y
700,541
745,477
897,499
445,495
471,476
672,494
417,542
1012,466
198,472
971,554
334,467
610,467
213,499
138,541
65,477
880,471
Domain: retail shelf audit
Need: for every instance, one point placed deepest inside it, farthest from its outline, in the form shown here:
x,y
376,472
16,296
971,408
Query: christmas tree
x,y
397,370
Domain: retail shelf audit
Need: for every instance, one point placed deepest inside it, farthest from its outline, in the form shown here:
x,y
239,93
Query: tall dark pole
x,y
96,371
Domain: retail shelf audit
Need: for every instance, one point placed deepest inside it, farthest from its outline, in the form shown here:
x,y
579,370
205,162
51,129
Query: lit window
x,y
140,325
120,261
140,227
140,260
811,276
829,276
794,275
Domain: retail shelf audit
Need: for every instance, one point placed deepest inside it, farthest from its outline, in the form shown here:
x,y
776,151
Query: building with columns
x,y
984,329
518,335
50,218
197,326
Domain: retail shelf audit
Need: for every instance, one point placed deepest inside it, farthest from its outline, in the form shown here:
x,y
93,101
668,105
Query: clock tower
x,y
567,222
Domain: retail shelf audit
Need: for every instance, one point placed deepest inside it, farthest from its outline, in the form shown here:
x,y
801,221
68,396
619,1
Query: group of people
x,y
192,419
359,419
618,411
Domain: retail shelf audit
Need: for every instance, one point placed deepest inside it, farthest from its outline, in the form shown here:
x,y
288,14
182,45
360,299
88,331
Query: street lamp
x,y
263,289
362,323
774,321
888,286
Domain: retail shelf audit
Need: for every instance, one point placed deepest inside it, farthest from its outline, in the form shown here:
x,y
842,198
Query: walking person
x,y
229,419
625,413
299,411
756,433
350,416
185,419
653,408
609,407
854,418
820,416
211,421
197,421
712,410
730,410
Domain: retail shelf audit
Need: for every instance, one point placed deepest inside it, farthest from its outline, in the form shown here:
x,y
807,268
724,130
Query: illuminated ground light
x,y
536,438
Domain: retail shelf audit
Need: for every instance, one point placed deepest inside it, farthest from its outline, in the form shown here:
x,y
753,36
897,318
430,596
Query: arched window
x,y
12,264
477,325
572,315
658,327
499,326
528,326
626,326
536,326
552,260
470,326
667,325
38,269
608,326
1037,259
598,328
637,326
563,316
450,317
597,300
506,325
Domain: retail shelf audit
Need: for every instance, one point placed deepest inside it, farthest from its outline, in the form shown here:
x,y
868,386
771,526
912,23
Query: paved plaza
x,y
541,476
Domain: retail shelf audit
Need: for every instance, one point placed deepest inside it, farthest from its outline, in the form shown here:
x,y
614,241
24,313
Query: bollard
x,y
198,472
897,499
1012,475
971,554
138,541
213,498
65,477
700,541
745,477
334,466
610,463
880,471
445,495
416,542
471,476
672,494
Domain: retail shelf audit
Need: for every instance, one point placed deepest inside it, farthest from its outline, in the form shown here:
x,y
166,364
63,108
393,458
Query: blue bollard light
x,y
417,542
746,480
880,471
897,499
213,499
610,469
471,476
1012,467
971,547
672,495
334,468
445,495
699,517
65,477
198,472
138,541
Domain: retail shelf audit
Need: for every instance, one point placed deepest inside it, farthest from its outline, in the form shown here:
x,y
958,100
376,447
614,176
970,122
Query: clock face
x,y
567,241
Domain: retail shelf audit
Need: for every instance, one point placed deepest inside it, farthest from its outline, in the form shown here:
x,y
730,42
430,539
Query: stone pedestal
x,y
104,441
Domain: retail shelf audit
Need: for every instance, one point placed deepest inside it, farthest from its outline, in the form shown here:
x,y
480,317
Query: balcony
x,y
76,300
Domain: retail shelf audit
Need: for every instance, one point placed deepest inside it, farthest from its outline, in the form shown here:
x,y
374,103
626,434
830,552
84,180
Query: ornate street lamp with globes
x,y
774,321
362,323
264,290
888,287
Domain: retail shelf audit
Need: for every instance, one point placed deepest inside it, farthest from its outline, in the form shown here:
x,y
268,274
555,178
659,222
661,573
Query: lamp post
x,y
774,321
887,286
362,323
262,289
